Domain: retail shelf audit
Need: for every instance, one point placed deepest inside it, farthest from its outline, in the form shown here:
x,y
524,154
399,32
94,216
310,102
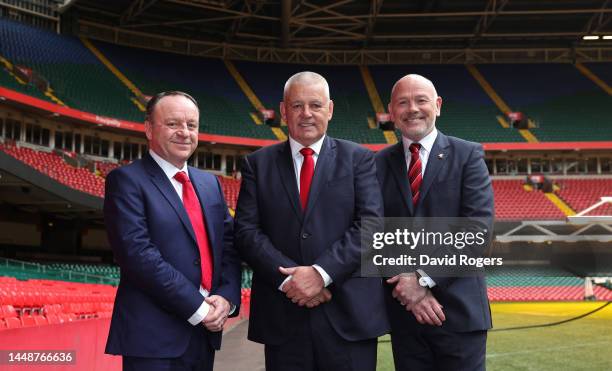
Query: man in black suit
x,y
298,224
437,323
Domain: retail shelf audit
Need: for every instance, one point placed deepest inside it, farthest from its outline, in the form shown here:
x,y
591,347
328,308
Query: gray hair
x,y
309,78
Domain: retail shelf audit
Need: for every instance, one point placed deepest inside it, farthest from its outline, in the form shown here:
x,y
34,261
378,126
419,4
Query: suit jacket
x,y
456,184
273,231
155,245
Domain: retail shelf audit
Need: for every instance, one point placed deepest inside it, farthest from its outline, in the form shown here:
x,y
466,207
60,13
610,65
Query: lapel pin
x,y
441,156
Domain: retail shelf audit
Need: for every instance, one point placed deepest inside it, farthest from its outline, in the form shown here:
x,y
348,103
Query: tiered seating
x,y
351,103
546,91
110,271
61,271
105,167
53,165
41,302
582,193
512,202
247,277
601,70
467,112
537,283
224,109
8,81
230,187
77,77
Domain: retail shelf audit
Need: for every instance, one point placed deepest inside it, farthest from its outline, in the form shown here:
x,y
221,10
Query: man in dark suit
x,y
298,225
172,235
437,323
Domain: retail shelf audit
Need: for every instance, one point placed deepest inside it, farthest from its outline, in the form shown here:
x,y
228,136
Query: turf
x,y
583,344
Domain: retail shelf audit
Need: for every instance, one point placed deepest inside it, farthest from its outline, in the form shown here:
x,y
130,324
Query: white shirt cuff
x,y
327,280
202,311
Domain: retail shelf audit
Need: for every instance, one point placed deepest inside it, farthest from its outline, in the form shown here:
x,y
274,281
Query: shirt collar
x,y
426,143
296,146
169,169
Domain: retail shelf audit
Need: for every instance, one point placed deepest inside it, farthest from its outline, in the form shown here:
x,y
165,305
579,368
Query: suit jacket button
x,y
196,262
305,235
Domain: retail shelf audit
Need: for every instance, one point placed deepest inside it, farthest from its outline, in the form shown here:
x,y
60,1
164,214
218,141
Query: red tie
x,y
414,172
306,175
194,210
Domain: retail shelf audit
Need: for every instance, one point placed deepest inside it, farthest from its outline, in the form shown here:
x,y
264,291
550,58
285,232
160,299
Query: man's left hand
x,y
407,289
305,283
217,314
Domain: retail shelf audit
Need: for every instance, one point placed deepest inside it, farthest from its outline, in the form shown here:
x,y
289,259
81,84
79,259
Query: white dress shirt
x,y
298,160
170,171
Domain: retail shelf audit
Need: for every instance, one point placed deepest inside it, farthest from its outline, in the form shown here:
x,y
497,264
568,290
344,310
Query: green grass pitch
x,y
584,344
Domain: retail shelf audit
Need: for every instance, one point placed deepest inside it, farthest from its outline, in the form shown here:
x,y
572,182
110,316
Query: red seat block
x,y
12,322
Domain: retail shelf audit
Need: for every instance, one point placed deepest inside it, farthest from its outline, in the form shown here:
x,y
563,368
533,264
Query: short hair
x,y
306,76
157,97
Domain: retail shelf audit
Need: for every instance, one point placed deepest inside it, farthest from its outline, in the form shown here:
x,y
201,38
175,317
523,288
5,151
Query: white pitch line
x,y
494,355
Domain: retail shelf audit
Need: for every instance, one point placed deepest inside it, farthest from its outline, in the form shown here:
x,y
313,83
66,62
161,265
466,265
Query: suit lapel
x,y
397,164
323,169
206,193
437,158
287,176
161,181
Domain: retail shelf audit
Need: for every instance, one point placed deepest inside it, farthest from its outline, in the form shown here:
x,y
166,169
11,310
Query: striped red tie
x,y
196,216
414,172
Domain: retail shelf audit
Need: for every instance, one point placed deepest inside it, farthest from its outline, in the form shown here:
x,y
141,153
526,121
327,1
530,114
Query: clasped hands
x,y
417,299
217,314
306,286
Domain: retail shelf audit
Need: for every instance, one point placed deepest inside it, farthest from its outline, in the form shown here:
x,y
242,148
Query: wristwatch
x,y
423,279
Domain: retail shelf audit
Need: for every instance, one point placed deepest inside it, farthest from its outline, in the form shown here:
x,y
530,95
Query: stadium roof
x,y
358,25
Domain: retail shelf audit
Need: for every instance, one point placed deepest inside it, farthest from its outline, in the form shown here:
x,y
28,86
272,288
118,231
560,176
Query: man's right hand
x,y
323,297
407,289
428,311
217,314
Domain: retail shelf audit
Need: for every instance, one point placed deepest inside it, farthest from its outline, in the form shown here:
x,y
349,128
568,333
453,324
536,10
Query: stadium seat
x,y
12,322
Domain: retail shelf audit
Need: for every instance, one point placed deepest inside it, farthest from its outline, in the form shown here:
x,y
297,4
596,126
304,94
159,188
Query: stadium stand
x,y
467,112
109,271
230,187
583,193
104,167
223,107
37,302
75,75
11,81
52,164
83,273
528,283
544,91
601,70
513,202
351,105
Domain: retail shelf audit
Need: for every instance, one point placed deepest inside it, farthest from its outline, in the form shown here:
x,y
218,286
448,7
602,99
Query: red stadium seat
x,y
53,319
12,322
7,311
27,321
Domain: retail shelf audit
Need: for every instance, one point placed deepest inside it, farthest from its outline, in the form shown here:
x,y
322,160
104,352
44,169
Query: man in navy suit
x,y
172,235
437,323
298,225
